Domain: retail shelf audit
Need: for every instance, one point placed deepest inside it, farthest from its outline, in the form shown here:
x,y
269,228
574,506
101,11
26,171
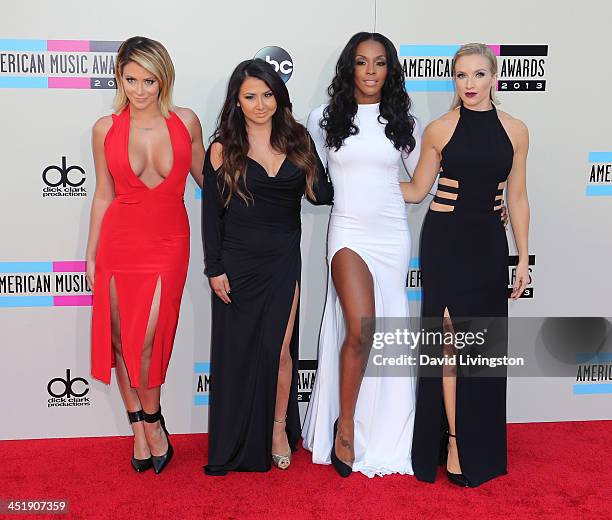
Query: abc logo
x,y
54,180
59,387
279,58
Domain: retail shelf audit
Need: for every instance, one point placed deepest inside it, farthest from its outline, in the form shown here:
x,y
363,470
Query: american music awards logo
x,y
44,284
512,263
202,384
594,374
307,370
306,376
427,68
599,182
413,279
64,64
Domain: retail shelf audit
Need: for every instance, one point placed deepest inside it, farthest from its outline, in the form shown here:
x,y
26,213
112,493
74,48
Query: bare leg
x,y
449,392
149,397
354,285
280,443
129,394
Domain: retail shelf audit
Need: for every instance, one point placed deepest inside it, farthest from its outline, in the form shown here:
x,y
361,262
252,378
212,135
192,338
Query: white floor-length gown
x,y
369,217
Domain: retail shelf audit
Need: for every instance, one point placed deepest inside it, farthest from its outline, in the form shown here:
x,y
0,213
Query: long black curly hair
x,y
338,116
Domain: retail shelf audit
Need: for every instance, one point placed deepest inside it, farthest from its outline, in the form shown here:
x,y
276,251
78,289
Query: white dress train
x,y
369,217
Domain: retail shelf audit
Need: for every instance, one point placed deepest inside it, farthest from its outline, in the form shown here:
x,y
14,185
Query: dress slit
x,y
324,407
464,268
135,292
292,433
273,337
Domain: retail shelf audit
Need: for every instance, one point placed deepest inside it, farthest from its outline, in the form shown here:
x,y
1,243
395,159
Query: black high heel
x,y
160,461
459,479
139,465
343,469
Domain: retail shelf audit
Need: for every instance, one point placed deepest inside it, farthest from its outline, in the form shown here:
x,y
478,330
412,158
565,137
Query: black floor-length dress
x,y
464,263
257,245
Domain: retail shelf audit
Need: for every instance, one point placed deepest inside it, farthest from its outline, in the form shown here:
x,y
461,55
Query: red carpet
x,y
556,470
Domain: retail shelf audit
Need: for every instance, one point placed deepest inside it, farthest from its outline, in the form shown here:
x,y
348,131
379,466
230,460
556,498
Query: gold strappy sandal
x,y
281,461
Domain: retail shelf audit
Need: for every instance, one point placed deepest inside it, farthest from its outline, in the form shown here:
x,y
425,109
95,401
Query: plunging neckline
x,y
266,171
127,151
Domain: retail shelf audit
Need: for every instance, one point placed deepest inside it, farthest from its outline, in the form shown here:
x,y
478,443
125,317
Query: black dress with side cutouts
x,y
464,264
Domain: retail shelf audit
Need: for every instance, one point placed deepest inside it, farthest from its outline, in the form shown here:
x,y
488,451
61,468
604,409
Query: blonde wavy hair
x,y
479,49
154,57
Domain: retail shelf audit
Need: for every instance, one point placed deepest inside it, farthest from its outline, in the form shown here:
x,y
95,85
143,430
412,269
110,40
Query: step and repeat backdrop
x,y
56,80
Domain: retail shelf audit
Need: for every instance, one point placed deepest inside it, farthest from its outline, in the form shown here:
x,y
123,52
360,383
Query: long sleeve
x,y
411,160
323,188
212,220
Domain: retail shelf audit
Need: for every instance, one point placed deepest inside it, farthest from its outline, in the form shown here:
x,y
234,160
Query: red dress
x,y
144,237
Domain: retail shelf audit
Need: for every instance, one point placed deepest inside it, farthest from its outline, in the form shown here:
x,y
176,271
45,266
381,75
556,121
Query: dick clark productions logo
x,y
68,391
63,180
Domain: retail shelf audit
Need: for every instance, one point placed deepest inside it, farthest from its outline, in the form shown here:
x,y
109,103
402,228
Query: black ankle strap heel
x,y
139,465
459,479
136,416
161,461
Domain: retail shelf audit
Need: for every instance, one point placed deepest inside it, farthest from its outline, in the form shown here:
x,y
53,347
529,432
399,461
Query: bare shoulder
x,y
512,124
440,130
189,118
102,126
516,130
216,155
187,115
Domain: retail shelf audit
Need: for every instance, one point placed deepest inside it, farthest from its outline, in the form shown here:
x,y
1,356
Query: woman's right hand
x,y
221,287
90,272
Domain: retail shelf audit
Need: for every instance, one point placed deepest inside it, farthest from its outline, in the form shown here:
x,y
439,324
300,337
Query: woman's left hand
x,y
521,280
504,214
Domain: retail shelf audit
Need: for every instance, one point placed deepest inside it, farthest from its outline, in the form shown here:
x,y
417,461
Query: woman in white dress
x,y
362,136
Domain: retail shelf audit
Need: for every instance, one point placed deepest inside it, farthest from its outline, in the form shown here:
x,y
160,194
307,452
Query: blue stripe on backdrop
x,y
414,295
26,267
600,157
428,50
593,388
23,45
26,301
592,357
200,400
19,82
596,190
201,368
429,85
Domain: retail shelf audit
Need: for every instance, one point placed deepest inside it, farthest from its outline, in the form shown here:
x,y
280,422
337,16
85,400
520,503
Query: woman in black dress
x,y
256,171
479,152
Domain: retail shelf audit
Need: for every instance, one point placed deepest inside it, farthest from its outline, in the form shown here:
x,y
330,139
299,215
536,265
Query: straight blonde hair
x,y
154,57
479,49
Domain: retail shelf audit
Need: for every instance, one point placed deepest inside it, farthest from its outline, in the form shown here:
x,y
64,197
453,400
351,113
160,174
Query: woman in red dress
x,y
138,247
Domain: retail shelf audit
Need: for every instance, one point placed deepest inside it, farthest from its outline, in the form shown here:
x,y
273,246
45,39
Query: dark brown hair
x,y
288,136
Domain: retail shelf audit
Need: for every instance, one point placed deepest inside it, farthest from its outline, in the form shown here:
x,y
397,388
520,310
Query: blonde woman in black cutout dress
x,y
479,152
